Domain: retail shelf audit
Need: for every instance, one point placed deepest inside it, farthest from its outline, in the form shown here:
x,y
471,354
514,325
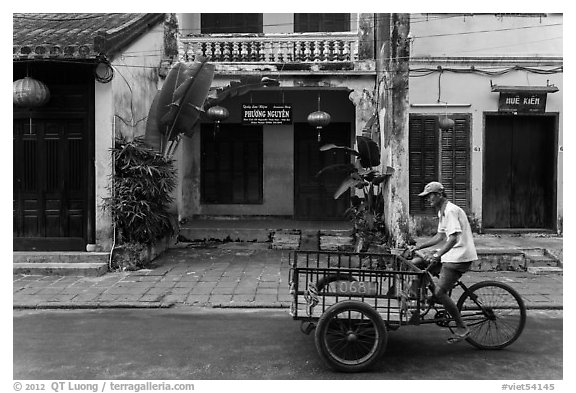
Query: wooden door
x,y
313,198
519,172
50,178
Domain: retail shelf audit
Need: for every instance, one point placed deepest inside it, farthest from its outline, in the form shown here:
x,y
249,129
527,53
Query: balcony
x,y
279,49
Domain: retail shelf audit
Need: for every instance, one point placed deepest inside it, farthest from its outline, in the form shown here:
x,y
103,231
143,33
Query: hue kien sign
x,y
522,102
262,114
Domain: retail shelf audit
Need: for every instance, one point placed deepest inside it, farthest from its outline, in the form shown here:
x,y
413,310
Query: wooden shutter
x,y
231,165
321,23
230,23
446,160
455,162
423,158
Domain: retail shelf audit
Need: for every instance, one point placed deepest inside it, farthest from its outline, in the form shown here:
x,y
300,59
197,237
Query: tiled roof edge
x,y
112,41
105,42
48,51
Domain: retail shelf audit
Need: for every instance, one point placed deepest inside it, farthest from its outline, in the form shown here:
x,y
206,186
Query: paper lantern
x,y
445,123
29,92
319,119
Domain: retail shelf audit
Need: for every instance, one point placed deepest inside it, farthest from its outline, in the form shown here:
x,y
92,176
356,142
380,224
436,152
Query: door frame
x,y
67,243
556,119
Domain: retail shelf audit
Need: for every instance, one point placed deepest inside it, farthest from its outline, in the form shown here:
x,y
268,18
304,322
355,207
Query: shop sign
x,y
522,102
262,114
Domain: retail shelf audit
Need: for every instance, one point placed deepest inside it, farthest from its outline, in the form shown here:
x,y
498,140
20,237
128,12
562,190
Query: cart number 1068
x,y
365,288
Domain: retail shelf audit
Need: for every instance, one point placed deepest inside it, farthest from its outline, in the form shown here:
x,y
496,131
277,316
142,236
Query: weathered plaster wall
x,y
487,35
121,108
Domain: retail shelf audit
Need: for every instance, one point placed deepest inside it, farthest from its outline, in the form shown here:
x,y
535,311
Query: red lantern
x,y
29,92
319,119
445,123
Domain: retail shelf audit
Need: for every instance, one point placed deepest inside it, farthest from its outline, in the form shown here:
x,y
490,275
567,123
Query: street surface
x,y
201,343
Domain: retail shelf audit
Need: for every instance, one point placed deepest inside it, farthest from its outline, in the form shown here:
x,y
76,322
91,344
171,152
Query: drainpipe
x,y
112,188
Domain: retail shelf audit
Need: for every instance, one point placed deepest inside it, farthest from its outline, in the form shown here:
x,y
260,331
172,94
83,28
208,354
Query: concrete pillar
x,y
392,71
366,37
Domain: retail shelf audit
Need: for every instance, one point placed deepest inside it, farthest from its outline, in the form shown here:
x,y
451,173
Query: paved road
x,y
199,343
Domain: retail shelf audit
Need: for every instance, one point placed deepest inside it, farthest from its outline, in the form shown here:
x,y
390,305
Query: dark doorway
x,y
519,172
53,167
313,199
50,184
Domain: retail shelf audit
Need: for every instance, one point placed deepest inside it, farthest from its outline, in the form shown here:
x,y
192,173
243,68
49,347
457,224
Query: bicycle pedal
x,y
309,328
415,317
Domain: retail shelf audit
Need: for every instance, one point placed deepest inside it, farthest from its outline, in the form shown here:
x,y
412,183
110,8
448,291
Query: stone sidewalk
x,y
230,275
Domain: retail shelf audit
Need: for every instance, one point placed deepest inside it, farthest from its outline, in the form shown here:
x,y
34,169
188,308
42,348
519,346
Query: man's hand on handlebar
x,y
432,258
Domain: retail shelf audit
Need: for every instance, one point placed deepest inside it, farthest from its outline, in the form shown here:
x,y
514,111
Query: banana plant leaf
x,y
177,106
351,181
331,146
379,178
188,99
153,135
344,169
369,152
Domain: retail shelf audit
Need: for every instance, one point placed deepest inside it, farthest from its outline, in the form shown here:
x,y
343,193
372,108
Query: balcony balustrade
x,y
271,48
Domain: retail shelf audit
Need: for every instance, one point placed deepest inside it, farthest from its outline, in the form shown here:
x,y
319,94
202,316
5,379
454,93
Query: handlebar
x,y
423,256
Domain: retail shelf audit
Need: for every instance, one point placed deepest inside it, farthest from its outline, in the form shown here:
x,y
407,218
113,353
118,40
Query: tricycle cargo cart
x,y
352,300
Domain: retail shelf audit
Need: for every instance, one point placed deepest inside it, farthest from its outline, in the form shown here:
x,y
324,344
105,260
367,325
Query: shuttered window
x,y
443,156
230,23
231,164
306,23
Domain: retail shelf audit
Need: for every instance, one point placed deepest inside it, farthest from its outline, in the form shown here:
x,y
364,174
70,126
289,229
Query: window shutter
x,y
455,162
423,158
321,22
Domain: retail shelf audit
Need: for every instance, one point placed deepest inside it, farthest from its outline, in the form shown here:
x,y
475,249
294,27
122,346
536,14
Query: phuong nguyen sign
x,y
522,102
261,114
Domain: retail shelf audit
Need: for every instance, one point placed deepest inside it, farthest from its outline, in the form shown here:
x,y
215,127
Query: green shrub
x,y
141,190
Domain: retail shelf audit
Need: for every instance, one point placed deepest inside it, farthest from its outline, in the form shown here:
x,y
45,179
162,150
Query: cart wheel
x,y
500,320
350,336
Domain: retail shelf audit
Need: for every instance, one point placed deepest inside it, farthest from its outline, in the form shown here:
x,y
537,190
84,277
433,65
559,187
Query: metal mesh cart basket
x,y
320,279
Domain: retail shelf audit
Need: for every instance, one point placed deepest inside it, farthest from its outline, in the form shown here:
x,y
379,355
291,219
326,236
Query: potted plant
x,y
141,194
367,205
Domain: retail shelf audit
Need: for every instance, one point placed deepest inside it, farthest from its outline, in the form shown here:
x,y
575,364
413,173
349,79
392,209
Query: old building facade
x,y
502,163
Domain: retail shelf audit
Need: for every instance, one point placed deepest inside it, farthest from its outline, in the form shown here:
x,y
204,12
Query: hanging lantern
x,y
29,92
217,114
319,119
445,123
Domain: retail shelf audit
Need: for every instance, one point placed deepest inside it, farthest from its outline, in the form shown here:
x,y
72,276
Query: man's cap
x,y
433,186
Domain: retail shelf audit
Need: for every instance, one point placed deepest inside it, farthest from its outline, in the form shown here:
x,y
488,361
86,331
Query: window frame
x,y
435,145
233,134
304,21
237,23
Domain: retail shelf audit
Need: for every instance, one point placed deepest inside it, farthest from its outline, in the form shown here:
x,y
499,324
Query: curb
x,y
164,305
90,305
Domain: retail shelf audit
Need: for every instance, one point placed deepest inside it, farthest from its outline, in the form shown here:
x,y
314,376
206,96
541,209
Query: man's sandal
x,y
456,337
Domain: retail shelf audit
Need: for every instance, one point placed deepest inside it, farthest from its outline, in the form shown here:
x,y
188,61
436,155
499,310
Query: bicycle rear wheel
x,y
495,314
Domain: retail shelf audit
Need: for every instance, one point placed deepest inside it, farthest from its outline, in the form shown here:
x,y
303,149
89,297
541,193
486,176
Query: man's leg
x,y
448,277
420,264
450,306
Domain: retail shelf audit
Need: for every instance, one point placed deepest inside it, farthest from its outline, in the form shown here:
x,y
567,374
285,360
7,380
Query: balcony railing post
x,y
273,48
